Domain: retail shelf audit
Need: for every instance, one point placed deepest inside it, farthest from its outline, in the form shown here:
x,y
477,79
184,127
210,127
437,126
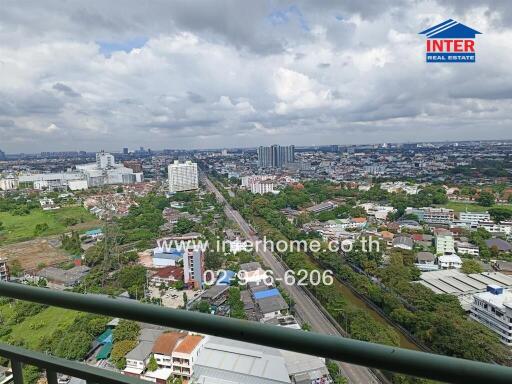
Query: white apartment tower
x,y
183,176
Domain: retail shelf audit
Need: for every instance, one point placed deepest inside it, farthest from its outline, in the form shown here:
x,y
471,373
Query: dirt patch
x,y
33,252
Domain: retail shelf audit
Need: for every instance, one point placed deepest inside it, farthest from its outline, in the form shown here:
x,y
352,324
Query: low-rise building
x,y
185,355
449,262
494,310
465,248
4,270
403,242
163,348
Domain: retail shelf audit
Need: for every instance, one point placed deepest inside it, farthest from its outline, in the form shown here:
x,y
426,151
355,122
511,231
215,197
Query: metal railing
x,y
422,364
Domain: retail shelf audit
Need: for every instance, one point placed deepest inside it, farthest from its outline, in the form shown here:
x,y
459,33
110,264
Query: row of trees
x,y
436,319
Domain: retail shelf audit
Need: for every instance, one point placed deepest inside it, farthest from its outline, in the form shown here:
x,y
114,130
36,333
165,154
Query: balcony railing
x,y
383,357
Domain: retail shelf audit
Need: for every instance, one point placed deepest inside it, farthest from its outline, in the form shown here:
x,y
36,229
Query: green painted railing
x,y
383,357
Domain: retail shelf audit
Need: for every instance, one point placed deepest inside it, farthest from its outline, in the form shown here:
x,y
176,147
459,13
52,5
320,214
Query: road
x,y
304,306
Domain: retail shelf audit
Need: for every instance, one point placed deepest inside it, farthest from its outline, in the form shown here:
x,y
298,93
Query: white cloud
x,y
205,77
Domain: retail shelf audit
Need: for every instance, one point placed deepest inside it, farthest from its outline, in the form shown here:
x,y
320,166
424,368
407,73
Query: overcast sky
x,y
91,75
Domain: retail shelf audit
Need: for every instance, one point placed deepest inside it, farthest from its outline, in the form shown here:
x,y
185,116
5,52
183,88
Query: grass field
x,y
21,228
35,328
471,207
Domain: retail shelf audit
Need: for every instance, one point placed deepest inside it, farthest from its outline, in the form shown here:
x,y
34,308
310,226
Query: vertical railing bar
x,y
17,371
51,376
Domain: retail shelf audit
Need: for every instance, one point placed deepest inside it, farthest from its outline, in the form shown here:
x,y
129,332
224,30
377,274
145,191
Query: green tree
x,y
126,330
500,213
183,226
471,266
73,346
2,226
203,306
486,199
119,351
152,364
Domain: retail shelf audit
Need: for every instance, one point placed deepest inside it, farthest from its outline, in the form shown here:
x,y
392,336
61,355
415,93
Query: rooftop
x,y
188,344
166,342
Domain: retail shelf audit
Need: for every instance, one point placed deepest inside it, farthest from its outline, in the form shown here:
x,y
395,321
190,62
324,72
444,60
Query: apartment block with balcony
x,y
183,176
185,355
494,310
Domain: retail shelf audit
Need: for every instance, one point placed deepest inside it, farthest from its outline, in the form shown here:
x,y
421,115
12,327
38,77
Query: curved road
x,y
304,306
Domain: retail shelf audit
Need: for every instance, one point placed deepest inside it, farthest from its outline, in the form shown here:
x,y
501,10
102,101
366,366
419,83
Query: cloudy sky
x,y
90,75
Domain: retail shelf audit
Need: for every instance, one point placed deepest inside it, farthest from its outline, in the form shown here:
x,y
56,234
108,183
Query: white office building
x,y
8,184
445,244
183,176
494,310
473,217
106,171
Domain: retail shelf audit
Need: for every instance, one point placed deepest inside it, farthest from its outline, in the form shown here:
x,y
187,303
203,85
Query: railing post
x,y
51,377
17,371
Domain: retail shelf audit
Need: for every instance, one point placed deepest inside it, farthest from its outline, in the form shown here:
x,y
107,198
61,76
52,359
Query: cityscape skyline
x,y
121,149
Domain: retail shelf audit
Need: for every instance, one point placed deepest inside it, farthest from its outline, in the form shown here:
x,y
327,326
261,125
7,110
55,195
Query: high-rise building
x,y
4,270
125,151
193,267
2,155
275,156
183,176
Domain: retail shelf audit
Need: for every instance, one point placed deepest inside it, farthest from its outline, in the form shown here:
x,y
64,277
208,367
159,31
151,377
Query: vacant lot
x,y
471,207
21,228
36,328
33,252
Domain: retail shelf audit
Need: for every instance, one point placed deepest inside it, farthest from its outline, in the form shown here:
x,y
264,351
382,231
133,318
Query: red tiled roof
x,y
169,271
188,344
166,342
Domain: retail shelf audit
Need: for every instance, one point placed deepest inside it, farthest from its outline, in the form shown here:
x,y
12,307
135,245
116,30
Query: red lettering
x,y
457,45
469,46
437,46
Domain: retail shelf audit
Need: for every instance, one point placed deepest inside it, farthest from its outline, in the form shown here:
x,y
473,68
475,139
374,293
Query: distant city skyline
x,y
120,150
187,75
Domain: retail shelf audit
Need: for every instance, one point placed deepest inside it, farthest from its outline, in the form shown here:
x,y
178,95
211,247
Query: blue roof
x,y
94,232
268,293
172,254
226,278
450,29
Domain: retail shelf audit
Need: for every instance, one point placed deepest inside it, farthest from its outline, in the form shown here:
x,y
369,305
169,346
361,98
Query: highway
x,y
304,306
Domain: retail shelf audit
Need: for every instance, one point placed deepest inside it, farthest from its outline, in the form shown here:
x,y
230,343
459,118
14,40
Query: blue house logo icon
x,y
450,42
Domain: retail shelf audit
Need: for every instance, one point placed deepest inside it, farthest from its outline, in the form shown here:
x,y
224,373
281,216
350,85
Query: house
x,y
137,359
502,245
185,355
167,275
403,242
269,303
357,222
449,262
465,248
426,261
164,346
215,295
325,206
252,272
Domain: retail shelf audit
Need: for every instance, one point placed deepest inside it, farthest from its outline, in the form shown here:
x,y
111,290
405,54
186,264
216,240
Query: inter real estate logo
x,y
450,42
